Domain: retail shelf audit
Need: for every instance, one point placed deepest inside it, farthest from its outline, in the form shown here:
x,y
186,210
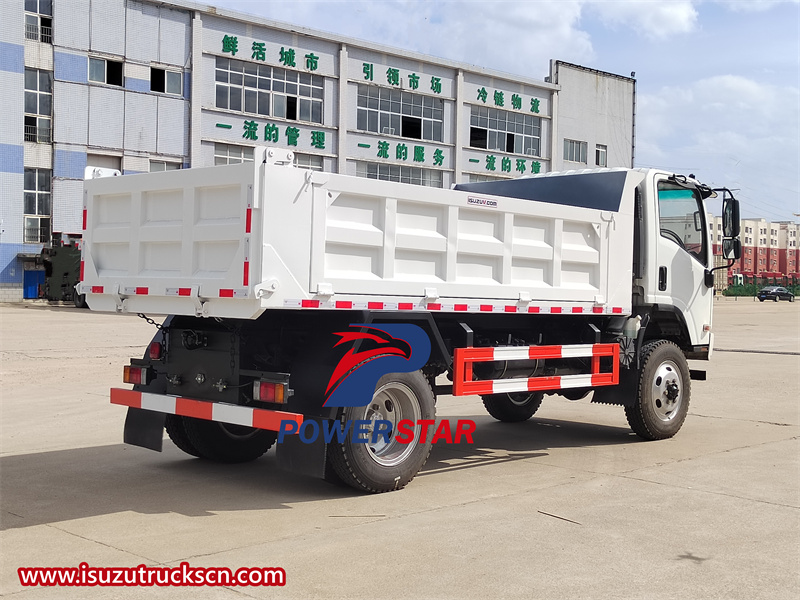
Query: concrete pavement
x,y
568,505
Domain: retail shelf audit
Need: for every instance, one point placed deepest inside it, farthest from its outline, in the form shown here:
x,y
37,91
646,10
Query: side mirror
x,y
732,248
730,217
698,221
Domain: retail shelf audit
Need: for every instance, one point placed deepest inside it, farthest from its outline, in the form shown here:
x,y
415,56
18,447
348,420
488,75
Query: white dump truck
x,y
281,283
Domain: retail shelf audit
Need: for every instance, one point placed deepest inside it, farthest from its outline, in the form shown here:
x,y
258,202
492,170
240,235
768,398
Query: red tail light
x,y
269,391
136,375
155,350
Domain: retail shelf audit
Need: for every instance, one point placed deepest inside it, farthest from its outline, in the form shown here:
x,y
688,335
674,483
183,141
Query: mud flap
x,y
623,394
144,428
306,458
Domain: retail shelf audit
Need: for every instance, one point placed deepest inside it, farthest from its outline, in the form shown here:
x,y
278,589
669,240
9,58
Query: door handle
x,y
662,279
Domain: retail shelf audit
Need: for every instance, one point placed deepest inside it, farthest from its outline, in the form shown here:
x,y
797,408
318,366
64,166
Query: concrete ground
x,y
568,505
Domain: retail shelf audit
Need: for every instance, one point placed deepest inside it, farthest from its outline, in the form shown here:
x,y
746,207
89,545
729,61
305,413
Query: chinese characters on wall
x,y
393,78
286,56
402,152
272,134
499,99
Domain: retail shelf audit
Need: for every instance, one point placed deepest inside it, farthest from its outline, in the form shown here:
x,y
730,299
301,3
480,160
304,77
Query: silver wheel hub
x,y
667,391
393,402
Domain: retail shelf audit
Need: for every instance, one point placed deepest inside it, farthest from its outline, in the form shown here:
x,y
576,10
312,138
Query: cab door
x,y
683,255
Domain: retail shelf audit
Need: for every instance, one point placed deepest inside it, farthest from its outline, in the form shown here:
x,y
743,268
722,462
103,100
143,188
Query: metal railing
x,y
40,135
37,235
37,33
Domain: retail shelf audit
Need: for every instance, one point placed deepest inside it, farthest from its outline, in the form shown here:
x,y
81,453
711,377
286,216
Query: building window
x,y
38,105
601,155
575,151
493,129
37,209
157,166
476,178
39,20
308,161
230,154
165,81
102,70
394,112
403,174
248,87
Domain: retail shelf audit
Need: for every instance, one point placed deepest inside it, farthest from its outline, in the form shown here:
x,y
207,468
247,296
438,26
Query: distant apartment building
x,y
769,252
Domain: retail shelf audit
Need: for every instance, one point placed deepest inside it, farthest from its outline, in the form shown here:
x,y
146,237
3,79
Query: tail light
x,y
155,351
271,391
136,375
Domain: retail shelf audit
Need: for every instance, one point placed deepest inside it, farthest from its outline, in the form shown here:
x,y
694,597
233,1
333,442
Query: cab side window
x,y
681,218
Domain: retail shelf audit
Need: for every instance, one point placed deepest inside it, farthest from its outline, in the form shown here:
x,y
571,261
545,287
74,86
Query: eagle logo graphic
x,y
376,350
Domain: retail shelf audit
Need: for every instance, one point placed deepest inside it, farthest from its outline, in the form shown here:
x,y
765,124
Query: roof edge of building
x,y
335,37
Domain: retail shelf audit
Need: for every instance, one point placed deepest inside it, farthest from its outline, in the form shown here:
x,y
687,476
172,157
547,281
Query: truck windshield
x,y
682,218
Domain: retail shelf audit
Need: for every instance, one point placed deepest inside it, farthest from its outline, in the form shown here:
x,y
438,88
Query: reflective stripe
x,y
229,413
157,403
201,409
578,350
367,304
512,353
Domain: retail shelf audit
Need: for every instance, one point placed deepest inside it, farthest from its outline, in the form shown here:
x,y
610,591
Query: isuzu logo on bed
x,y
481,202
376,350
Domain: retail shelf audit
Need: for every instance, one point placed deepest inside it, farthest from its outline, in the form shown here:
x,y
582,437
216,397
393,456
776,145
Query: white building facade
x,y
140,86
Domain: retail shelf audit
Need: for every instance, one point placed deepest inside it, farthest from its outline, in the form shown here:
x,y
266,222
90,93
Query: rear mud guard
x,y
144,428
304,457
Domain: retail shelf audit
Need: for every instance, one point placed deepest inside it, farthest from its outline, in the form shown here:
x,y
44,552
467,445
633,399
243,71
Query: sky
x,y
718,82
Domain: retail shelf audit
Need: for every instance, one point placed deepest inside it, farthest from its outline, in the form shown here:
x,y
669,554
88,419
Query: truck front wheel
x,y
223,442
513,407
384,463
663,392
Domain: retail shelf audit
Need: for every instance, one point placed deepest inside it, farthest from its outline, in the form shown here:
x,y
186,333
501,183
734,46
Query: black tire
x,y
383,467
79,300
791,298
177,433
514,407
760,299
227,443
663,392
776,298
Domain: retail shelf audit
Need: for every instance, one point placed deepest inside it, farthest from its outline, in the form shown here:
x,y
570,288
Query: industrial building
x,y
144,86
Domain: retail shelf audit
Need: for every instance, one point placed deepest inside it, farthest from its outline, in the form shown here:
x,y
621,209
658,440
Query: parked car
x,y
774,292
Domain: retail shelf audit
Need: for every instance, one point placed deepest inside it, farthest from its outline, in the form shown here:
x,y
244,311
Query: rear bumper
x,y
203,409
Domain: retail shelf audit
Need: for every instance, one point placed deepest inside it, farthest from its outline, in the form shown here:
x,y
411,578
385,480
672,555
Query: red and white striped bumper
x,y
202,409
463,385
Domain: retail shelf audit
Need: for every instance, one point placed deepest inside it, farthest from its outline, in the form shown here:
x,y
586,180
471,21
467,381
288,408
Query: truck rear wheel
x,y
513,407
223,442
380,465
663,392
177,433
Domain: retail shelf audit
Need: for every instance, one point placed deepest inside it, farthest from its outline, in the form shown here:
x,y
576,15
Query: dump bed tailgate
x,y
167,242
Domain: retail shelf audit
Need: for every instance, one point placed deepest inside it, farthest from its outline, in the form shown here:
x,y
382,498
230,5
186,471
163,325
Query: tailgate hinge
x,y
118,299
200,304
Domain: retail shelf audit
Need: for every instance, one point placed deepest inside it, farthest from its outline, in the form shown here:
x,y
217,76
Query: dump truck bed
x,y
236,240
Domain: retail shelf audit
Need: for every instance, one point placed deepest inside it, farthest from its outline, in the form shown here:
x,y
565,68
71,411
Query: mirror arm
x,y
728,266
